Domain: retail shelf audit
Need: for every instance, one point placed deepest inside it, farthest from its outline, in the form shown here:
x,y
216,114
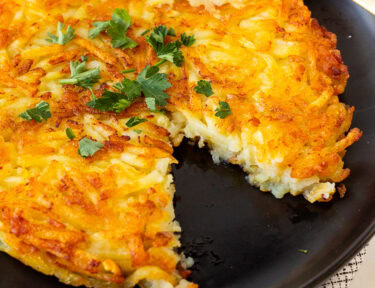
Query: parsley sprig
x,y
81,76
116,29
39,113
112,101
204,87
88,147
223,110
61,38
149,82
166,51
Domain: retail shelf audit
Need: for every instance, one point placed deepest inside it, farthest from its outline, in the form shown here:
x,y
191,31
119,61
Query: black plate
x,y
241,237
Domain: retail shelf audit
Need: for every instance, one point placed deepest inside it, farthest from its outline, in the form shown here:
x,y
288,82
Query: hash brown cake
x,y
86,196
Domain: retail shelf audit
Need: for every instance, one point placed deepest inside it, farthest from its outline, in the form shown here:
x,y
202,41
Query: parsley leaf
x,y
130,88
159,34
149,82
116,29
121,18
110,101
171,32
115,101
80,76
204,87
137,131
121,105
151,104
39,113
152,70
98,27
169,52
134,121
69,132
61,38
187,40
223,110
145,32
88,147
172,53
153,87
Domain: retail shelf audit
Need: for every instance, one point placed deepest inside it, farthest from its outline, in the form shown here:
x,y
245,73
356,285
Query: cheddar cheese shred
x,y
103,216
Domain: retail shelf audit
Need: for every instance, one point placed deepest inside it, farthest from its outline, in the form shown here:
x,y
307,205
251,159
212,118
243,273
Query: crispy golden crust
x,y
107,220
63,202
299,114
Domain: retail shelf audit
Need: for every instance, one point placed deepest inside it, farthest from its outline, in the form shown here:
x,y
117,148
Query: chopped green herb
x,y
171,51
145,32
151,104
303,251
88,147
204,87
162,111
160,32
171,32
121,18
137,131
134,121
187,40
149,82
39,113
110,101
153,88
223,110
119,25
131,88
98,27
80,76
69,132
131,70
61,38
121,105
116,29
153,69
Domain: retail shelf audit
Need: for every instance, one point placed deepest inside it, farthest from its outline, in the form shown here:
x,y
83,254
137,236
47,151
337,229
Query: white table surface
x,y
368,4
365,277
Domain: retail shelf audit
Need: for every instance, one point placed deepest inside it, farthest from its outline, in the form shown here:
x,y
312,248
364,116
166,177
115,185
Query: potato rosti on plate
x,y
95,94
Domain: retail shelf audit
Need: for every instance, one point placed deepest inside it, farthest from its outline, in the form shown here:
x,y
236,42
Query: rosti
x,y
86,150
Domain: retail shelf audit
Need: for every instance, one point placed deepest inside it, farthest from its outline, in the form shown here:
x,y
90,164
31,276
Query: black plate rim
x,y
344,258
355,247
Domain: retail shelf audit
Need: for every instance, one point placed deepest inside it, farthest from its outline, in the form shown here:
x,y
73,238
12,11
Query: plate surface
x,y
241,237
